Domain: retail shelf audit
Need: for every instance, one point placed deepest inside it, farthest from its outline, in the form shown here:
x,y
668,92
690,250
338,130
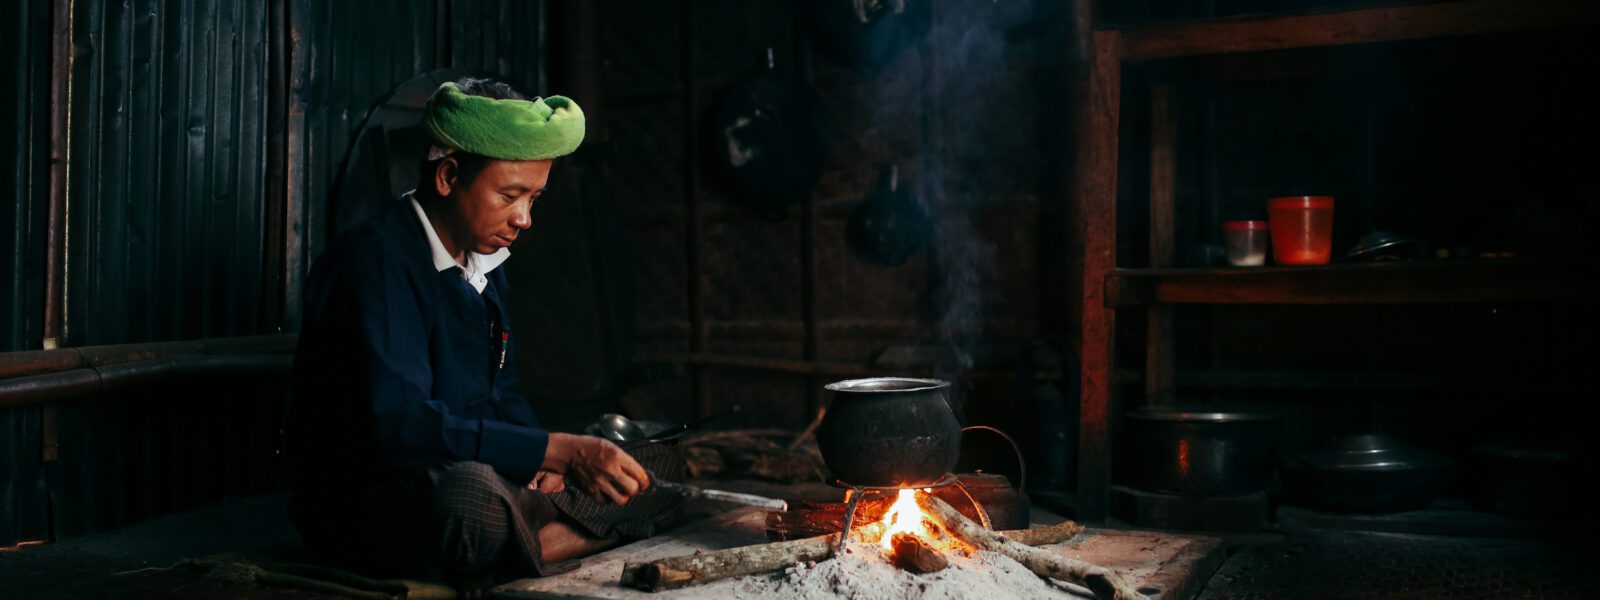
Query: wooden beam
x,y
1379,381
1422,282
1163,175
1094,190
1360,26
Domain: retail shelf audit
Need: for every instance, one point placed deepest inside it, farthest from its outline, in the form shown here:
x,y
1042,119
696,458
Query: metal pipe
x,y
441,35
275,228
78,383
42,362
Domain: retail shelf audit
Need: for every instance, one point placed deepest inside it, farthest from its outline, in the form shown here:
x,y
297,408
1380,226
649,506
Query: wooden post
x,y
1158,343
812,349
699,330
1094,190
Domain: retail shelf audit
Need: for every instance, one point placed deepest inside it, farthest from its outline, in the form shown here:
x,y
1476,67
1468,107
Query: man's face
x,y
493,208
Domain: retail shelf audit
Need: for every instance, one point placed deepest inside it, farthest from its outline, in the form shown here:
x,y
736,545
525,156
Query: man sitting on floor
x,y
415,454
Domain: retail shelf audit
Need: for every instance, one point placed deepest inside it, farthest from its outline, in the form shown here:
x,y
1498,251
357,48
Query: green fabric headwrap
x,y
504,129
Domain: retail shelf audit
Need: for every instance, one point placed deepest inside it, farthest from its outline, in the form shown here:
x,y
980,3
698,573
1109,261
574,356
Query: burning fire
x,y
904,516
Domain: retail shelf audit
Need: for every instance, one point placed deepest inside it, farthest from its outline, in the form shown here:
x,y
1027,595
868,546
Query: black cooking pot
x,y
889,432
1370,473
1200,452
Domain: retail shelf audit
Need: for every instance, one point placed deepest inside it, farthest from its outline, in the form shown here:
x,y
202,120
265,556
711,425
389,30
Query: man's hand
x,y
549,482
596,466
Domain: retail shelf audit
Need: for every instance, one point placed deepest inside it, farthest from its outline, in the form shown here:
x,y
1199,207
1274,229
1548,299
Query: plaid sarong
x,y
465,518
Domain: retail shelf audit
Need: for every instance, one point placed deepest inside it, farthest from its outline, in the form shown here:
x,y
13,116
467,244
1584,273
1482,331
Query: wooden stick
x,y
810,430
1105,583
705,567
1044,536
916,556
702,567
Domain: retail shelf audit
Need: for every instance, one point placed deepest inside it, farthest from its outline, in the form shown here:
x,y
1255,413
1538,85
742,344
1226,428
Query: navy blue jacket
x,y
400,365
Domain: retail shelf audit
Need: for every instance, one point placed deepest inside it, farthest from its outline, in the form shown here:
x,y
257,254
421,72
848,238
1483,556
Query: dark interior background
x,y
207,137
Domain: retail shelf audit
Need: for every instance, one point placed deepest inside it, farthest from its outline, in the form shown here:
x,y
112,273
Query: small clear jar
x,y
1245,243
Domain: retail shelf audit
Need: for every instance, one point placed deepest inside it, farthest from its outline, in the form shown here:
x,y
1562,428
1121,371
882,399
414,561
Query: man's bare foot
x,y
472,587
560,541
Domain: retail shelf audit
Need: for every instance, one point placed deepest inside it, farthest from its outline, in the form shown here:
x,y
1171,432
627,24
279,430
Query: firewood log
x,y
916,556
702,567
808,519
1104,582
1044,536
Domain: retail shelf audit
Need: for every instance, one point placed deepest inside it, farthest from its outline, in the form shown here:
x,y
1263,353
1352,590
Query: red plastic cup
x,y
1302,229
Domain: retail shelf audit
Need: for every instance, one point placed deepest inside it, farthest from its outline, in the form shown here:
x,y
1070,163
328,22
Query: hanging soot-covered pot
x,y
766,140
868,33
890,225
889,432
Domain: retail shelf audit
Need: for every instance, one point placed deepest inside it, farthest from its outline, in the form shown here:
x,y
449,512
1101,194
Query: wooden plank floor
x,y
1167,566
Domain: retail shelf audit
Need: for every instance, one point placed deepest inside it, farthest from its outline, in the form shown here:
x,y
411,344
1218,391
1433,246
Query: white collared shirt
x,y
478,265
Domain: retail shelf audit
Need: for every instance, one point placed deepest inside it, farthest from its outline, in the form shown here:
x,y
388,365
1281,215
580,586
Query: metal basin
x,y
1199,453
1371,473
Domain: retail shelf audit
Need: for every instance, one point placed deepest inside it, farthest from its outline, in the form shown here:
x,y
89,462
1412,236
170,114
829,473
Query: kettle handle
x,y
1022,464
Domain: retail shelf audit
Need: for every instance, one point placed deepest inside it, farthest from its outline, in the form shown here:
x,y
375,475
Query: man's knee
x,y
466,478
472,513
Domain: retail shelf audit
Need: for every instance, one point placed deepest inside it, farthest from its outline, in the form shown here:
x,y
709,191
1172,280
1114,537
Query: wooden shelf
x,y
1358,26
1380,381
1423,282
1096,117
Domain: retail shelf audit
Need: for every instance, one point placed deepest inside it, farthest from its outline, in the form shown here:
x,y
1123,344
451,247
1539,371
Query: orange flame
x,y
904,516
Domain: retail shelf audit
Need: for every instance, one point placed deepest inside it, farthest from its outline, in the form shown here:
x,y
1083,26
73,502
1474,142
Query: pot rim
x,y
862,386
1199,416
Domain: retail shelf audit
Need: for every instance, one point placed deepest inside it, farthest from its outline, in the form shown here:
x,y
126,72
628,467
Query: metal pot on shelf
x,y
1200,452
1365,473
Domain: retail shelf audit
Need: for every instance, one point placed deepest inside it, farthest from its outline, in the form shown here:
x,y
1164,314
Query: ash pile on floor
x,y
863,572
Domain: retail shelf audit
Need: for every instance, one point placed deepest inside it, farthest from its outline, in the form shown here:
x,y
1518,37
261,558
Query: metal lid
x,y
1378,242
1521,452
886,384
1198,415
1372,452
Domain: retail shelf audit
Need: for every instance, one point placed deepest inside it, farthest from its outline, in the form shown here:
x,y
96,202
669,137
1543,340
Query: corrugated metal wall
x,y
179,175
24,143
168,131
166,208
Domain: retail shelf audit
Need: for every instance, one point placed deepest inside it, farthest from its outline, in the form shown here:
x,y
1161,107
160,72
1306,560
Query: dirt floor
x,y
1354,566
137,562
86,568
133,563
